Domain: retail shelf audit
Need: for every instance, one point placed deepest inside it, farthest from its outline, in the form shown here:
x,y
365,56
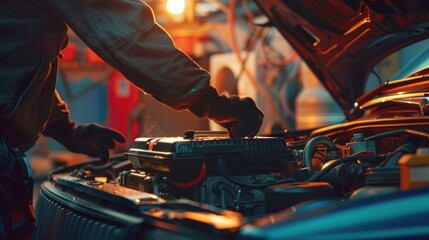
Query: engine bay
x,y
262,175
215,187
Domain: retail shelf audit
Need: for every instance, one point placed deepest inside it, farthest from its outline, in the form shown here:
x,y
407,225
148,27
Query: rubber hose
x,y
310,148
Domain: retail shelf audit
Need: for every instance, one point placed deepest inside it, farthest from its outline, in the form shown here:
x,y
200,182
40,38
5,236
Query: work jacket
x,y
122,32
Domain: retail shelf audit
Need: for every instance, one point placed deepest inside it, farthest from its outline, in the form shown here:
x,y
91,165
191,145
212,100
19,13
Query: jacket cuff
x,y
61,130
203,106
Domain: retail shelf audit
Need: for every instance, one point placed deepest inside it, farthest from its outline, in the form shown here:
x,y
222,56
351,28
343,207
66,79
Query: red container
x,y
122,97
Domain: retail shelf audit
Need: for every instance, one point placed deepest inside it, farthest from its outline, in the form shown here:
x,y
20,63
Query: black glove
x,y
91,139
240,116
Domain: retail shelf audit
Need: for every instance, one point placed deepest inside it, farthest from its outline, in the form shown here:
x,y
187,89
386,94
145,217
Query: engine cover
x,y
224,172
179,157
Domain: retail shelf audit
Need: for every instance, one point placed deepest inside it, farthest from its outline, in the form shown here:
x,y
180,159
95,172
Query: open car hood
x,y
342,40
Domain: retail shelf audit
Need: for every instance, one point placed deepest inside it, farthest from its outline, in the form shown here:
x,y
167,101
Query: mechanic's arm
x,y
90,139
125,35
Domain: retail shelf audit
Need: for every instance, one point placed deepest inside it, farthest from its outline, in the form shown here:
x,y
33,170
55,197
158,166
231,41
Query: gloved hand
x,y
240,116
91,139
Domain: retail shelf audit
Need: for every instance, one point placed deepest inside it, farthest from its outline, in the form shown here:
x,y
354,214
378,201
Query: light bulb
x,y
176,6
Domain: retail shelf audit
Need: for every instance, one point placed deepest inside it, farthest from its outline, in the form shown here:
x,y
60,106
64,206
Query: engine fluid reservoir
x,y
415,169
358,144
314,105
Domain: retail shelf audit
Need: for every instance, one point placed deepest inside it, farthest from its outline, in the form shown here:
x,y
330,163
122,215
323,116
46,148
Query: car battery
x,y
182,158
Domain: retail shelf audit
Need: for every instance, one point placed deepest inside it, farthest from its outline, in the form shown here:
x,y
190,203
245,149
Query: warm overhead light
x,y
176,6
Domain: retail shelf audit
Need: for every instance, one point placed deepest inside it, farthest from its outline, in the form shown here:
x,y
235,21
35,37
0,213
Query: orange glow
x,y
101,179
220,222
176,6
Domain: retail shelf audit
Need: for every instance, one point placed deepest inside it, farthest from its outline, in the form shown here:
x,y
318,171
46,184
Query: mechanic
x,y
125,35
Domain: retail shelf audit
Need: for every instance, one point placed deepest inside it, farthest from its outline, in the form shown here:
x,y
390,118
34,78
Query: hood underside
x,y
342,40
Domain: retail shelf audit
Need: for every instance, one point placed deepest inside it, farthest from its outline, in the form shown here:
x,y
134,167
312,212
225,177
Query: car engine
x,y
256,176
216,187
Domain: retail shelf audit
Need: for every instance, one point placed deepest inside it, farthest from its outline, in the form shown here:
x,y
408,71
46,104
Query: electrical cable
x,y
221,188
69,168
398,132
265,94
95,164
256,185
226,187
364,153
286,60
237,199
295,167
224,172
222,199
319,158
278,64
193,182
377,76
320,152
105,169
283,102
331,166
249,47
392,160
249,13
